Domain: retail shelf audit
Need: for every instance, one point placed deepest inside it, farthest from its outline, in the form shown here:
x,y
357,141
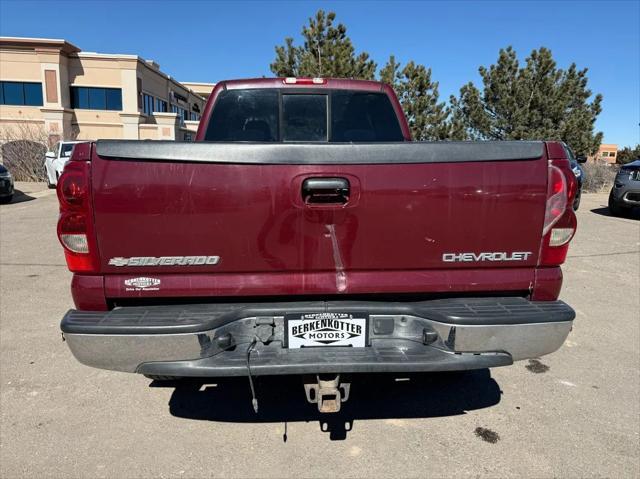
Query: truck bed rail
x,y
320,154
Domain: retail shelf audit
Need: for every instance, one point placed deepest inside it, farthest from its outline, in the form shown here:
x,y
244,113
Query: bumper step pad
x,y
192,318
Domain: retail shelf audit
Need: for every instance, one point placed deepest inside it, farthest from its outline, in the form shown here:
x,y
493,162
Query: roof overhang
x,y
24,43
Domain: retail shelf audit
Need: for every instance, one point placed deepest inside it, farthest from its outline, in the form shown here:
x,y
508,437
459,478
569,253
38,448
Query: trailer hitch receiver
x,y
327,391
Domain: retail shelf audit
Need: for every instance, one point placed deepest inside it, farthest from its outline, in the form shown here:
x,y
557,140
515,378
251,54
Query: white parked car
x,y
55,160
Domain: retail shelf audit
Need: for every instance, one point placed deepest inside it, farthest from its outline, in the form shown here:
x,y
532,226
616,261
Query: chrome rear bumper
x,y
211,340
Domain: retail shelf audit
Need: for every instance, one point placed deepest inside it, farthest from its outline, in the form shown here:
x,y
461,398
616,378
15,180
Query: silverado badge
x,y
165,261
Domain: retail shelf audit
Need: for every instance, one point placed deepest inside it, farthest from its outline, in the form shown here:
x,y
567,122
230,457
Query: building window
x,y
97,99
605,154
114,98
147,104
139,86
90,98
20,93
182,113
161,106
178,97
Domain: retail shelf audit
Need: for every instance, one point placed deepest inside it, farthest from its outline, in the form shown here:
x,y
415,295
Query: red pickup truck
x,y
304,233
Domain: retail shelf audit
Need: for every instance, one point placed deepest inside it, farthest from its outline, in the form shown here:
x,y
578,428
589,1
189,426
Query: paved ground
x,y
27,190
574,414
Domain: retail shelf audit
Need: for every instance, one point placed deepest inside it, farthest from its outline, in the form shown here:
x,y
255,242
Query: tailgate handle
x,y
325,191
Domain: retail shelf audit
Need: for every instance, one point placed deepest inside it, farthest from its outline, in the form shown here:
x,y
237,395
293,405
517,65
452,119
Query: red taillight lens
x,y
559,219
75,224
72,188
72,223
557,195
81,263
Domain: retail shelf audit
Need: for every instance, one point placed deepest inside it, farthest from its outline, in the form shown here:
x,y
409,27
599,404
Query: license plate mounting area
x,y
305,330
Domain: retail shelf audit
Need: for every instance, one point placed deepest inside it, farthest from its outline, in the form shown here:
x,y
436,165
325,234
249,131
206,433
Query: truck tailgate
x,y
419,217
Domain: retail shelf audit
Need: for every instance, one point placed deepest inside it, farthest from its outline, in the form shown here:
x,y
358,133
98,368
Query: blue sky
x,y
210,41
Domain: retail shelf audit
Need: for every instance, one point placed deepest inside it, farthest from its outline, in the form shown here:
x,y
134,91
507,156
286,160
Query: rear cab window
x,y
245,115
281,115
363,117
304,117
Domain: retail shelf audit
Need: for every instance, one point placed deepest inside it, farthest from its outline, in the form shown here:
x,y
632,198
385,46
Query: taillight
x,y
72,187
557,195
75,224
72,229
559,218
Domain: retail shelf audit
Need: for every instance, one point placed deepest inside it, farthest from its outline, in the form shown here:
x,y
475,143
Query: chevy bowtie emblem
x,y
165,261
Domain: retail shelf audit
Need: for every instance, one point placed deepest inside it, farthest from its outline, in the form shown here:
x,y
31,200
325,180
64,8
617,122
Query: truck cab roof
x,y
304,82
385,99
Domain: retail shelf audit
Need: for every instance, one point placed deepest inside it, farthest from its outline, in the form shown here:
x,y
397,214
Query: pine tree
x,y
628,154
419,96
389,73
327,51
286,63
536,101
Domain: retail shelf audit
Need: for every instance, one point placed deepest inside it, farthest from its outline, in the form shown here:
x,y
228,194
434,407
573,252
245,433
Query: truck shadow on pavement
x,y
19,197
604,211
282,399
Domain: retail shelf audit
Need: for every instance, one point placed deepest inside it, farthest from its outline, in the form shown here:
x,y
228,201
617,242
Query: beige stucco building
x,y
53,85
202,89
606,152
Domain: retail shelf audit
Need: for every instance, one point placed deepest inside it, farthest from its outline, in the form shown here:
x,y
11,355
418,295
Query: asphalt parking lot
x,y
575,413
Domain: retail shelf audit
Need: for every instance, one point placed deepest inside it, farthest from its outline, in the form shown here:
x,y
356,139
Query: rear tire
x,y
615,209
576,201
46,175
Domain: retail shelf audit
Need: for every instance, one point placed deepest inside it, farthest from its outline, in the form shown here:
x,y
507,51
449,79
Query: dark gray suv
x,y
625,193
6,185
